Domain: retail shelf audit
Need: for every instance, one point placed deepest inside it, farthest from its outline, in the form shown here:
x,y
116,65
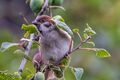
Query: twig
x,y
24,18
60,7
80,44
88,49
79,36
28,40
50,11
27,50
44,8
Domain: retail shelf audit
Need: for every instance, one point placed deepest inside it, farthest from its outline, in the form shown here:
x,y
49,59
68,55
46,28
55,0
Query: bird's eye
x,y
37,24
47,24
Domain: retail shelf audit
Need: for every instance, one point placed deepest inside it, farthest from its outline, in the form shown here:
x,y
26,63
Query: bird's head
x,y
44,23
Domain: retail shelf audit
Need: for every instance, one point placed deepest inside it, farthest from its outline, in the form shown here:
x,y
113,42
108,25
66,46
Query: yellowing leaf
x,y
32,28
65,61
102,53
75,30
29,28
26,34
24,27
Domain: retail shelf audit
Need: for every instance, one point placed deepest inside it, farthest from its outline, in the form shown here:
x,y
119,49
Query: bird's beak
x,y
34,22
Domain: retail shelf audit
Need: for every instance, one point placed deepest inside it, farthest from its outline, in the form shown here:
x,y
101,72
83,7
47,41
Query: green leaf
x,y
69,74
28,77
58,17
85,36
7,45
64,26
31,28
16,75
27,74
27,57
65,62
24,27
9,76
26,34
78,73
22,54
57,71
35,45
89,31
76,30
92,43
18,51
102,53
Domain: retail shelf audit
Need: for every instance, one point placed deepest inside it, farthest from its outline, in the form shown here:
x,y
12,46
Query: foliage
x,y
63,69
102,53
61,24
73,73
29,29
8,76
7,45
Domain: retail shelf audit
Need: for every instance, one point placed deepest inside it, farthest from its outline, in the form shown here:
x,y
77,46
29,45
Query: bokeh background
x,y
102,15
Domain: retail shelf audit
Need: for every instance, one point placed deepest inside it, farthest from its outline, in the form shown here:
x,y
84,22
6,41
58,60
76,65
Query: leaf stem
x,y
79,36
60,7
88,49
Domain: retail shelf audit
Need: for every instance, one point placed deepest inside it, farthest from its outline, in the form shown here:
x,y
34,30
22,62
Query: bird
x,y
55,43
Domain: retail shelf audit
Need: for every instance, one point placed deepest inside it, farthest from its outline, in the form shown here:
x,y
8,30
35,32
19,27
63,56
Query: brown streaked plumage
x,y
55,43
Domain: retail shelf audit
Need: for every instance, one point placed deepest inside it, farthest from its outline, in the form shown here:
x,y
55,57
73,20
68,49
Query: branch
x,y
27,50
44,7
80,44
79,36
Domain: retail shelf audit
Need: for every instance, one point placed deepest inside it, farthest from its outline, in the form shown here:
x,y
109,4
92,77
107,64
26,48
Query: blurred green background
x,y
102,15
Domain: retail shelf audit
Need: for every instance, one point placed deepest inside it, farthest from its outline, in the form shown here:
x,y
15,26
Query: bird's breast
x,y
55,50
